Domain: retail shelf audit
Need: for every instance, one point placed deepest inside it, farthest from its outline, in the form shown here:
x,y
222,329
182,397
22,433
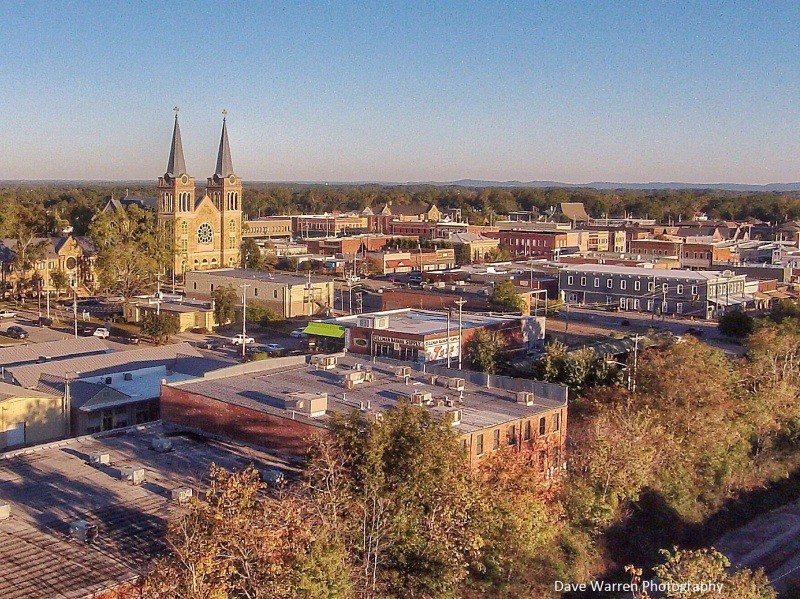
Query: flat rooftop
x,y
426,322
267,388
696,275
50,486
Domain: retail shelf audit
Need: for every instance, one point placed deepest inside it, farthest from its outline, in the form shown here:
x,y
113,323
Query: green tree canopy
x,y
506,299
225,300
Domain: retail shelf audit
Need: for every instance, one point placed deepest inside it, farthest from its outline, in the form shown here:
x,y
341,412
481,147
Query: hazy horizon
x,y
342,93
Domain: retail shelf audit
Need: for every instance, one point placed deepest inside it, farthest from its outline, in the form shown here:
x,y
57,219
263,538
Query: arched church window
x,y
232,226
184,228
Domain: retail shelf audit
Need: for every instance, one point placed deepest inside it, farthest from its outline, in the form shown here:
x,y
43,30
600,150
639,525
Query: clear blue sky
x,y
404,91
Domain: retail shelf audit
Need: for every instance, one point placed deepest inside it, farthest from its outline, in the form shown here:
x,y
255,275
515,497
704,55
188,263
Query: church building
x,y
207,231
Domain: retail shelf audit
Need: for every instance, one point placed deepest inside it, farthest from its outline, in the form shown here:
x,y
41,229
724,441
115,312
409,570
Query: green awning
x,y
324,329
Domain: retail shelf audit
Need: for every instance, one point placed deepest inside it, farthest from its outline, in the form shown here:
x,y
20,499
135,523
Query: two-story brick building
x,y
282,403
701,293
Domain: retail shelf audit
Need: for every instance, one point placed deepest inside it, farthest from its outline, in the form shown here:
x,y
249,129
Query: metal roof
x,y
29,376
224,162
52,485
65,348
176,166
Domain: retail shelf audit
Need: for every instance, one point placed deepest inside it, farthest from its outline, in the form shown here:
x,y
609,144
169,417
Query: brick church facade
x,y
206,230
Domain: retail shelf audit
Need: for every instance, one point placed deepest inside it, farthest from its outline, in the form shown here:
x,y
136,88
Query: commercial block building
x,y
288,295
700,293
281,403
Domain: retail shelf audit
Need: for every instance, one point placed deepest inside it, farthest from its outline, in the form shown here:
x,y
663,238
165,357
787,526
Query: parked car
x,y
239,339
16,332
7,314
102,333
132,339
43,321
695,331
274,347
298,334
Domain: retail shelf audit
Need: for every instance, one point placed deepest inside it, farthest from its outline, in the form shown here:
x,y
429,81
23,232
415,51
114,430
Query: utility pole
x,y
75,311
244,318
447,346
158,294
460,301
566,327
48,303
632,374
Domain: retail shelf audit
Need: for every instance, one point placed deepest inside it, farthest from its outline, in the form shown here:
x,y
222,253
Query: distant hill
x,y
611,185
769,187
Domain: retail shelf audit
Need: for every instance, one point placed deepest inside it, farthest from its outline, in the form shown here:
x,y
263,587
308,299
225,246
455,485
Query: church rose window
x,y
205,234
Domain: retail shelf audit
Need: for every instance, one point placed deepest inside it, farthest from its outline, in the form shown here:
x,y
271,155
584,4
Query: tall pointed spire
x,y
224,162
177,164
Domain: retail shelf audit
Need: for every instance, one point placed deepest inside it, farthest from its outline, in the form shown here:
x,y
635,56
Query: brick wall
x,y
236,422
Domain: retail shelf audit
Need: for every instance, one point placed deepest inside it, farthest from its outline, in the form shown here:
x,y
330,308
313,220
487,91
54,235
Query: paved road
x,y
584,325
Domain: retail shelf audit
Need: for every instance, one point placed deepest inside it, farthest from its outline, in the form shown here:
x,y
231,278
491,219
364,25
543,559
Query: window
x,y
680,289
664,287
212,286
583,281
556,421
232,226
479,445
274,294
623,285
194,285
609,283
694,289
255,291
526,436
637,285
512,434
597,282
184,228
496,441
569,280
650,285
542,426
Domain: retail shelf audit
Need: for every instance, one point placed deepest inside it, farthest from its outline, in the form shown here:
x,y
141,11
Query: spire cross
x,y
224,114
175,110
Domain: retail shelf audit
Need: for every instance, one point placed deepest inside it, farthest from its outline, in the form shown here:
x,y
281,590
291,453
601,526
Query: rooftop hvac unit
x,y
454,417
134,475
108,380
402,371
421,398
83,531
525,397
98,459
181,494
128,376
381,322
161,444
456,383
324,362
5,510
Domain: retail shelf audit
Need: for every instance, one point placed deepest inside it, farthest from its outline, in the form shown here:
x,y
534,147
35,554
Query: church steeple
x,y
224,162
177,163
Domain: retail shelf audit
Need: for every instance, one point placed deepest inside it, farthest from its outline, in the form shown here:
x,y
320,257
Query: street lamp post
x,y
460,302
244,318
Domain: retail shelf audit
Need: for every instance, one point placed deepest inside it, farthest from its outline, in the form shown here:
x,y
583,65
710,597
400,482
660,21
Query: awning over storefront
x,y
324,329
733,300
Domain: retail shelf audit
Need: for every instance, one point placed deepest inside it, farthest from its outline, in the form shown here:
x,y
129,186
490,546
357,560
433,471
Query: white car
x,y
102,332
239,339
298,334
7,314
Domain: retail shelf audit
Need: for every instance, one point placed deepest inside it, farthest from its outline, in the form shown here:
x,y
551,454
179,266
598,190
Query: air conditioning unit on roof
x,y
98,459
83,531
182,494
5,510
134,475
525,397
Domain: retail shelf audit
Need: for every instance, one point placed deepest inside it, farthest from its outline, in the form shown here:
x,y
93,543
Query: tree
x,y
251,255
225,300
736,324
506,299
131,249
703,574
160,327
483,351
59,280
